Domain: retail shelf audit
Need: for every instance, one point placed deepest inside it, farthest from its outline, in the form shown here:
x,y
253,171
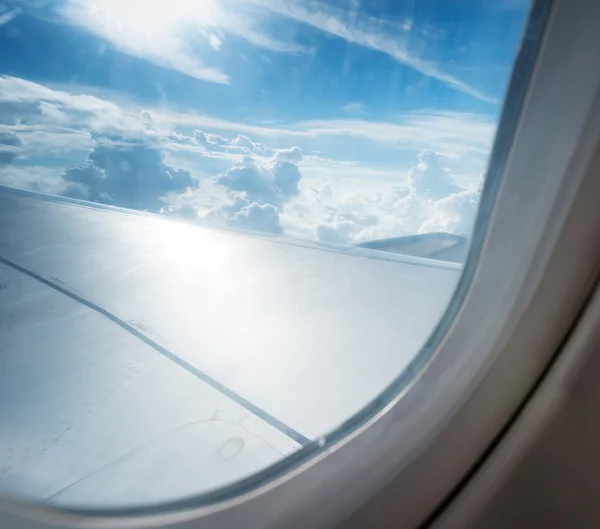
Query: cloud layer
x,y
27,104
242,176
425,200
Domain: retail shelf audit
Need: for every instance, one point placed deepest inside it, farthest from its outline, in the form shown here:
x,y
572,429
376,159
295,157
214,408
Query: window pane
x,y
338,149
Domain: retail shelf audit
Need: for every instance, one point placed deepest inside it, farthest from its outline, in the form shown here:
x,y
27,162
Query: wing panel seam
x,y
201,375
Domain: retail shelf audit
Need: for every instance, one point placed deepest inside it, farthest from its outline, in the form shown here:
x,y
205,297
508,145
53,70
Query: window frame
x,y
533,264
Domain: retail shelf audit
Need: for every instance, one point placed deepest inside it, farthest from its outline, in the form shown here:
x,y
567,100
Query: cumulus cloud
x,y
293,155
265,195
326,192
273,181
10,146
429,178
132,175
307,195
259,217
241,213
426,199
258,186
247,145
455,213
337,231
241,144
209,141
343,225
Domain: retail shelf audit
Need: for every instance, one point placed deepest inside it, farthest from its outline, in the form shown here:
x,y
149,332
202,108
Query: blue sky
x,y
340,121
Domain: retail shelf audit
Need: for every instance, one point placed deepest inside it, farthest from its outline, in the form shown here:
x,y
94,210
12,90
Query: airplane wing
x,y
144,359
441,246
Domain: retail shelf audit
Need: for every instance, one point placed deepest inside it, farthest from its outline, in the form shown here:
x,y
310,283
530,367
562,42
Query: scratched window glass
x,y
226,226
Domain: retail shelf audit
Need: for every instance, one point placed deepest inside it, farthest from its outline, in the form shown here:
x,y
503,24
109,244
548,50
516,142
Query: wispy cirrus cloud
x,y
182,34
369,33
171,33
443,130
354,108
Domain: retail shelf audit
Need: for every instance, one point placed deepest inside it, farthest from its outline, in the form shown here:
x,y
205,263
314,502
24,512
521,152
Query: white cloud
x,y
236,213
422,200
336,231
10,146
46,141
456,212
350,172
170,33
265,181
240,144
132,175
343,226
453,134
150,30
26,103
9,14
215,42
250,194
354,108
291,155
32,177
430,179
144,158
258,217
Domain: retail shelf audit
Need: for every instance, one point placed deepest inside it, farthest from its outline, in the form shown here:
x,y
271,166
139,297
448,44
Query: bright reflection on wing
x,y
208,264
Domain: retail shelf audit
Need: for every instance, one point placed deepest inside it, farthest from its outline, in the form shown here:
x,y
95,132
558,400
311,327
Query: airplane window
x,y
226,226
